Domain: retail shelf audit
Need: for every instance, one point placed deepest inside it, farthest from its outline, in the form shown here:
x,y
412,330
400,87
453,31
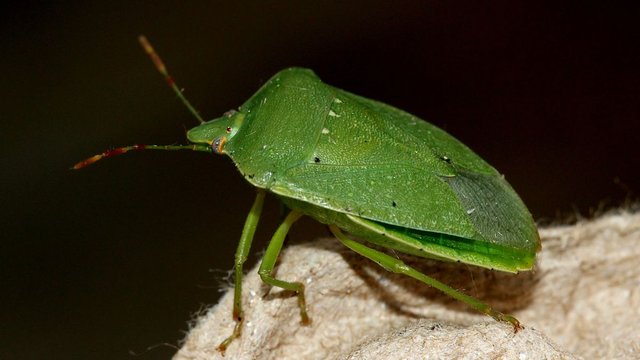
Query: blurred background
x,y
113,261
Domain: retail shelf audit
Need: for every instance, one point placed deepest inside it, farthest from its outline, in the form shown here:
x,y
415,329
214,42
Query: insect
x,y
367,169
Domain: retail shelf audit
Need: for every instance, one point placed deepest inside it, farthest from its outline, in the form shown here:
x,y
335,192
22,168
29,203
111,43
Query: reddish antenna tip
x,y
87,162
157,62
109,153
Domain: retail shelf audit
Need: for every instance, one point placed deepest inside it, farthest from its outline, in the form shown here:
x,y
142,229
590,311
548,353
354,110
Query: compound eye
x,y
218,144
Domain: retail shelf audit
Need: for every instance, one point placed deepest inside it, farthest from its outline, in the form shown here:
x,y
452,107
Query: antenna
x,y
139,147
163,70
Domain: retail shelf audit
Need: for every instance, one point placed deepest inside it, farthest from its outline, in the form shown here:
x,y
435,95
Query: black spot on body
x,y
316,160
393,203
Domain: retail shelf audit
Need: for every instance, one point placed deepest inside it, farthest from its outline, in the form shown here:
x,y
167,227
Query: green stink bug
x,y
364,168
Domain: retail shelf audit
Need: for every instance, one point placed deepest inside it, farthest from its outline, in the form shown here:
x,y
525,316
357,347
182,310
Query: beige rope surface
x,y
582,300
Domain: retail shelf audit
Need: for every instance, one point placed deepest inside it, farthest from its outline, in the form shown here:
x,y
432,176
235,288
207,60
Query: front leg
x,y
242,252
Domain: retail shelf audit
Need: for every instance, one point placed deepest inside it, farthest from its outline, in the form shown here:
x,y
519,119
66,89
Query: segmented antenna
x,y
140,147
163,70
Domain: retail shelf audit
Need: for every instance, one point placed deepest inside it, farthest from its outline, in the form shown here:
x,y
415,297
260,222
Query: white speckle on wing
x,y
325,131
337,101
266,177
331,113
470,211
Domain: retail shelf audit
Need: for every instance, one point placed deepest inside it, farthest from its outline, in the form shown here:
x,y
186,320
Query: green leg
x,y
269,261
398,266
241,256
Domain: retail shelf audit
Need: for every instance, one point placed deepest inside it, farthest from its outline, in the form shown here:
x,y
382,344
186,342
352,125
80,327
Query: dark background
x,y
116,259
